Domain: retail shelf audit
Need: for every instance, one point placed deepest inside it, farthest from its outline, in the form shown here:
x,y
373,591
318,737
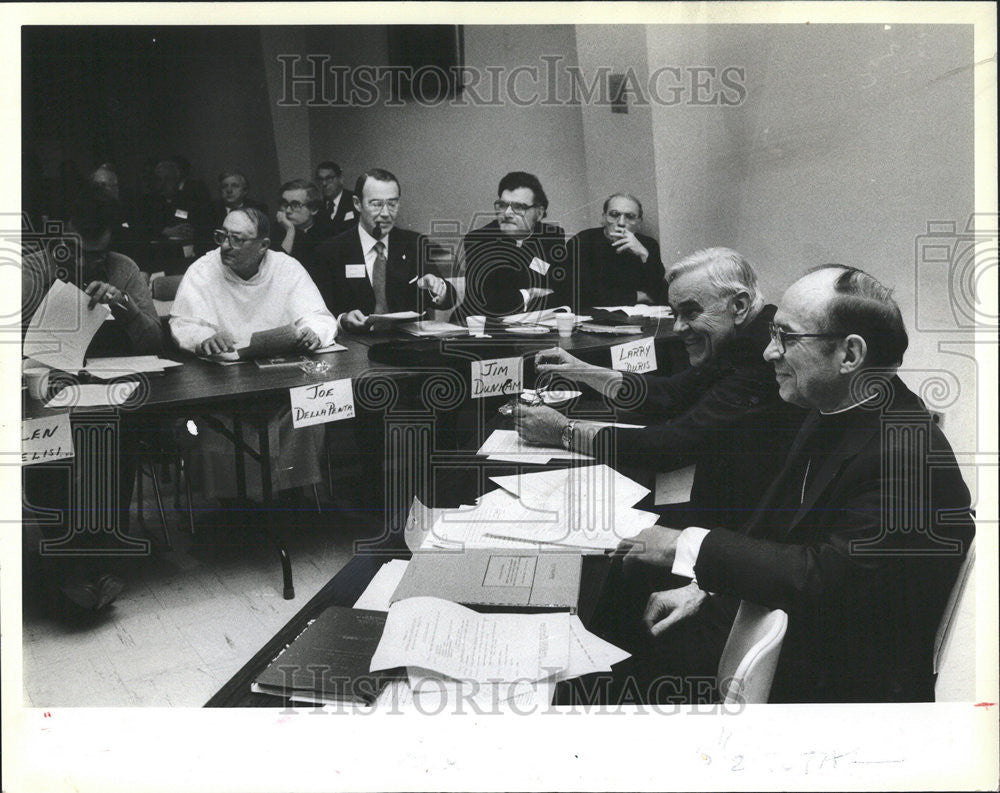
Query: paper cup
x,y
476,324
37,379
565,324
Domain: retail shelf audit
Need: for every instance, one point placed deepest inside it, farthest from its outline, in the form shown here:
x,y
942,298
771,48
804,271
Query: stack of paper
x,y
62,328
641,310
109,368
588,508
498,661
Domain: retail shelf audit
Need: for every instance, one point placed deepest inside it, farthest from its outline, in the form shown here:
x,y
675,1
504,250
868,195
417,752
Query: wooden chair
x,y
750,656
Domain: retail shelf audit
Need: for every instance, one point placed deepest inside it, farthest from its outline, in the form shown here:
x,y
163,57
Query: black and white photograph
x,y
452,396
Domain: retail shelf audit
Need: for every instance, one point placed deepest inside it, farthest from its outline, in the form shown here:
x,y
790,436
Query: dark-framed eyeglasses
x,y
514,206
779,336
221,236
295,206
614,214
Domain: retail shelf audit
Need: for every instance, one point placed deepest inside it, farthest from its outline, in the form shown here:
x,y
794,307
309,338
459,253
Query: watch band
x,y
567,435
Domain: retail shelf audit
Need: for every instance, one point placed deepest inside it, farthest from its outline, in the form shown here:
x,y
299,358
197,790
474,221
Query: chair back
x,y
746,668
947,623
165,287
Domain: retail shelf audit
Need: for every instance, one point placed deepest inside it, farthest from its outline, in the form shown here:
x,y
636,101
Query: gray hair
x,y
727,271
629,196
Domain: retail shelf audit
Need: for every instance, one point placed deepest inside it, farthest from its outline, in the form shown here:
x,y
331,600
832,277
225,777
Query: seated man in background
x,y
516,262
723,414
338,203
176,224
860,536
228,294
302,227
617,266
377,268
113,279
234,189
103,183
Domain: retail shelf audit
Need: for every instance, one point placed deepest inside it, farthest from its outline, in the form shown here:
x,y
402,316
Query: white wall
x,y
449,159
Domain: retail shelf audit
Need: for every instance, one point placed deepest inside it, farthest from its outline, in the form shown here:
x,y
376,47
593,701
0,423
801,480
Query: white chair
x,y
750,656
946,627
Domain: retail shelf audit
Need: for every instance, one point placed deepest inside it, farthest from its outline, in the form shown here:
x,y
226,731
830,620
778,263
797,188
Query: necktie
x,y
378,279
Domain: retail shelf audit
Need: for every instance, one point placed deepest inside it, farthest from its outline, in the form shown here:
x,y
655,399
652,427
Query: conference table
x,y
423,408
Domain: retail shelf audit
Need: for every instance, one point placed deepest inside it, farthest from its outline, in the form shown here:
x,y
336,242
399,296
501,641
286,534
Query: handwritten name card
x,y
46,439
321,403
634,356
496,377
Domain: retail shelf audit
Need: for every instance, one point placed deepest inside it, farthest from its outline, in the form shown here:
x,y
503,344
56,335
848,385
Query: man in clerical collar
x,y
516,262
302,226
858,539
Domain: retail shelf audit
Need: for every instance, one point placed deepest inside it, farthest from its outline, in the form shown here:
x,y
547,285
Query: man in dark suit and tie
x,y
338,204
860,536
377,268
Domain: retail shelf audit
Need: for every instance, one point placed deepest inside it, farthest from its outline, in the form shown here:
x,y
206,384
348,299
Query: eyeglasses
x,y
614,214
779,336
377,204
221,236
515,206
295,206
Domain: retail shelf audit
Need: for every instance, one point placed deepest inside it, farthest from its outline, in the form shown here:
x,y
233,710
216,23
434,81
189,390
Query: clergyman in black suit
x,y
377,268
861,534
338,204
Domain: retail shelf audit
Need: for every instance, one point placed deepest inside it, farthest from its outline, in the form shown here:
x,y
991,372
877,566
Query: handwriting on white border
x,y
321,403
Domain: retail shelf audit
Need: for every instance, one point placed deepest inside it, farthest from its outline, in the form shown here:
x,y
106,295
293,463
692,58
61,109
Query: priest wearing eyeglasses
x,y
617,265
516,263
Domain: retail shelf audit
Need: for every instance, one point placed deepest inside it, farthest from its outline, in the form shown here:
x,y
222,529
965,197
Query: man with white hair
x,y
722,414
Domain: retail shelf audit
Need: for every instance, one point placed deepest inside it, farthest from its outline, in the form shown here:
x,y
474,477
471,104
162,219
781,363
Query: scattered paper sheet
x,y
397,316
419,523
379,590
455,641
330,348
674,487
507,445
63,327
557,490
82,396
537,317
641,310
108,368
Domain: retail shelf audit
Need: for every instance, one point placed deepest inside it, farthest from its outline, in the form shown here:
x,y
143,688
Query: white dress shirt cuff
x,y
526,296
686,555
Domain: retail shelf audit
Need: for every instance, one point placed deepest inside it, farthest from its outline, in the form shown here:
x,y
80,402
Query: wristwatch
x,y
567,435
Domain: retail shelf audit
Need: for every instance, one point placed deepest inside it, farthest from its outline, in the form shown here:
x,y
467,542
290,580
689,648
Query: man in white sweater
x,y
242,287
227,295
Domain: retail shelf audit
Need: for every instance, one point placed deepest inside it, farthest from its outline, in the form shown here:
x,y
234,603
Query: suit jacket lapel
x,y
851,442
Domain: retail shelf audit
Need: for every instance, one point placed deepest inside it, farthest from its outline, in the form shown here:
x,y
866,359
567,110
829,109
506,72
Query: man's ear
x,y
741,307
265,243
357,202
854,354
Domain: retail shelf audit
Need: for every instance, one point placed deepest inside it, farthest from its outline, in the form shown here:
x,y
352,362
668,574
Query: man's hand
x,y
180,231
667,608
101,292
624,240
557,361
307,339
214,345
354,320
642,298
283,220
437,287
540,425
652,549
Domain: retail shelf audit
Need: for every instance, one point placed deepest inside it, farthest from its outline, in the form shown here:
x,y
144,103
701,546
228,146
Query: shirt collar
x,y
368,241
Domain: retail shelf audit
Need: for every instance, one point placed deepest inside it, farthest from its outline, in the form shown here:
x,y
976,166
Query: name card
x,y
496,377
321,403
634,356
46,439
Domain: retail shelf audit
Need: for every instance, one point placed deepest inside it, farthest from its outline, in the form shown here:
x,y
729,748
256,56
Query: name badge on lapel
x,y
181,213
539,266
348,216
355,271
